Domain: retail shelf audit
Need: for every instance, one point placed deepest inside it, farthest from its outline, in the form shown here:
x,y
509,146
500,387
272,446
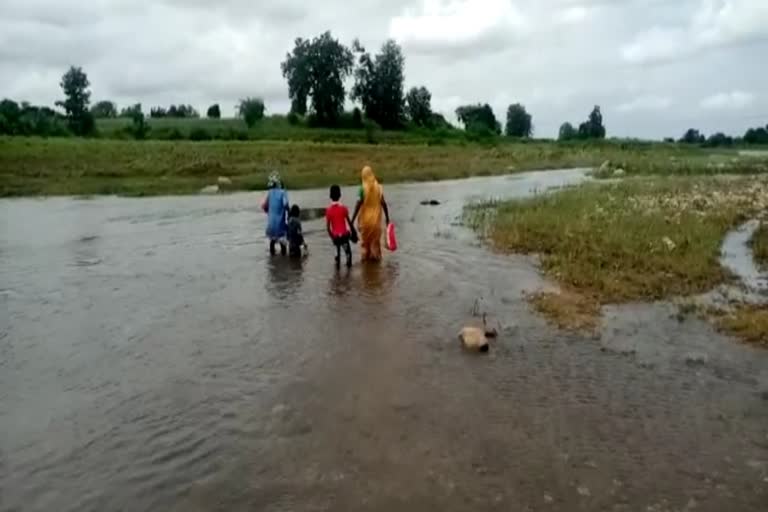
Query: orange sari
x,y
370,216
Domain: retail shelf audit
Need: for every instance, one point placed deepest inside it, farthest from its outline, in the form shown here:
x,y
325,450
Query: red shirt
x,y
337,214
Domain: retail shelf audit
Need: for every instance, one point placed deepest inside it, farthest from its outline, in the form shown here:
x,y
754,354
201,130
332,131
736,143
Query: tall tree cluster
x,y
379,85
316,70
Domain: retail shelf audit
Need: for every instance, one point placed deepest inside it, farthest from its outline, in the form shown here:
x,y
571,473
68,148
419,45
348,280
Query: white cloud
x,y
645,103
728,100
714,23
457,24
557,57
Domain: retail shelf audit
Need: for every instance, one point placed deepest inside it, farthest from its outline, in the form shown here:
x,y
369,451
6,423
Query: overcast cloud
x,y
656,67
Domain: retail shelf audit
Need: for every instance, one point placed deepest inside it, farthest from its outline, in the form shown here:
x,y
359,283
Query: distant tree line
x,y
316,71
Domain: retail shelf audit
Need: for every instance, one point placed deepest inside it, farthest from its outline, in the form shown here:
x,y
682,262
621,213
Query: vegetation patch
x,y
760,245
746,322
567,309
637,239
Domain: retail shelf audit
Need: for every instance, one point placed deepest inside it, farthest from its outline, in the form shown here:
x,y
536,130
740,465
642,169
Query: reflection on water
x,y
186,369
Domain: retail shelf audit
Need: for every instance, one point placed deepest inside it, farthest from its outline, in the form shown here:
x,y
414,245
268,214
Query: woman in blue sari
x,y
276,207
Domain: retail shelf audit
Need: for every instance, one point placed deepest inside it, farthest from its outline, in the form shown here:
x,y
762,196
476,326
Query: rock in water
x,y
429,202
210,189
473,338
223,180
618,173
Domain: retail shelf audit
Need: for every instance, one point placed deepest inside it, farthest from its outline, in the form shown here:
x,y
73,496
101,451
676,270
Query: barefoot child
x,y
339,225
295,236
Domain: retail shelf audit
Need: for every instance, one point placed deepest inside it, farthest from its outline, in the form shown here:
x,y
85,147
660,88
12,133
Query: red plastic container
x,y
391,238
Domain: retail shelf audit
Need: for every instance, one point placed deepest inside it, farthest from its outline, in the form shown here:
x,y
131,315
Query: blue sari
x,y
277,211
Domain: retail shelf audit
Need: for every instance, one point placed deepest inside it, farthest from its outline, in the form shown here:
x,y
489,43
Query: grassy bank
x,y
36,166
636,240
760,245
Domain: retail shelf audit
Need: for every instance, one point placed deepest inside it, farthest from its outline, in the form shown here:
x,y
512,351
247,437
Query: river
x,y
153,357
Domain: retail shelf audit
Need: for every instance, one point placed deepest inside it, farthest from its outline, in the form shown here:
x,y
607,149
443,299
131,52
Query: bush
x,y
293,119
251,110
371,129
198,134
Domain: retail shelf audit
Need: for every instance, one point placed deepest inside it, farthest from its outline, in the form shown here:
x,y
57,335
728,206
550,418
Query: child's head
x,y
295,211
335,193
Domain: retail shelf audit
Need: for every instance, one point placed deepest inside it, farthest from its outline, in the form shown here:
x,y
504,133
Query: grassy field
x,y
635,240
70,166
274,128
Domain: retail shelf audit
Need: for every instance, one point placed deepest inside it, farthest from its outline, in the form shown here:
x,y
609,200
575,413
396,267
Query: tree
x,y
10,112
297,70
756,135
251,110
130,111
693,136
379,84
318,69
478,118
718,139
104,109
75,85
567,132
139,127
593,127
419,106
158,112
518,121
214,112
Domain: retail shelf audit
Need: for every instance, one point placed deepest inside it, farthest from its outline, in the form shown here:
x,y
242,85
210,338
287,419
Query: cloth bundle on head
x,y
274,180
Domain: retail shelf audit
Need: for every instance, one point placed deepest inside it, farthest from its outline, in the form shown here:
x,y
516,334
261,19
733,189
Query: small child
x,y
295,236
340,227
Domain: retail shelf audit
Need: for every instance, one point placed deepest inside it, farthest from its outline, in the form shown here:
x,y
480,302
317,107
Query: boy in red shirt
x,y
340,227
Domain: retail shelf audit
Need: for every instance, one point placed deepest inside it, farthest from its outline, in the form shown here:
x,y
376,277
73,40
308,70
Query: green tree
x,y
567,132
158,112
214,112
593,128
693,136
756,135
77,97
10,112
318,69
419,106
104,109
379,84
130,110
139,128
251,110
478,118
519,122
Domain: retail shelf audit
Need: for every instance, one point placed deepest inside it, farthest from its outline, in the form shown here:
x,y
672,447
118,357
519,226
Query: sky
x,y
656,67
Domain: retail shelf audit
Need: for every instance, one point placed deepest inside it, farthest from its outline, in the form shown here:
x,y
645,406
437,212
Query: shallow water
x,y
153,357
737,257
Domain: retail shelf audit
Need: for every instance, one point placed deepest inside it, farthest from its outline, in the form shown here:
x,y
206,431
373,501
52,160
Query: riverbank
x,y
69,166
636,240
759,244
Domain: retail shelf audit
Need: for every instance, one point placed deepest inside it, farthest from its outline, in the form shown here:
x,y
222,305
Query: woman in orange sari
x,y
370,206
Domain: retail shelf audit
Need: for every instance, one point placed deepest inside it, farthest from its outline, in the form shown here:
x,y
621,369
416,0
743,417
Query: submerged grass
x,y
638,239
66,166
746,322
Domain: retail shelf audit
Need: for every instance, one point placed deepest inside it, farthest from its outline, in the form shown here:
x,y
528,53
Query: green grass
x,y
760,245
66,166
639,239
275,128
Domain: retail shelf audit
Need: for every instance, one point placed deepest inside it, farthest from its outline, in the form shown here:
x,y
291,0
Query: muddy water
x,y
153,357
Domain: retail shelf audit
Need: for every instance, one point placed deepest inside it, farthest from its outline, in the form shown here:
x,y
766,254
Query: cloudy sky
x,y
656,67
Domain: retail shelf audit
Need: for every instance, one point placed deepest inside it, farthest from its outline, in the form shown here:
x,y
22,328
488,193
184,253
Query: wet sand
x,y
154,357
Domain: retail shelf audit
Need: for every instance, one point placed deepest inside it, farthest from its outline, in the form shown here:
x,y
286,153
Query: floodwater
x,y
154,357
